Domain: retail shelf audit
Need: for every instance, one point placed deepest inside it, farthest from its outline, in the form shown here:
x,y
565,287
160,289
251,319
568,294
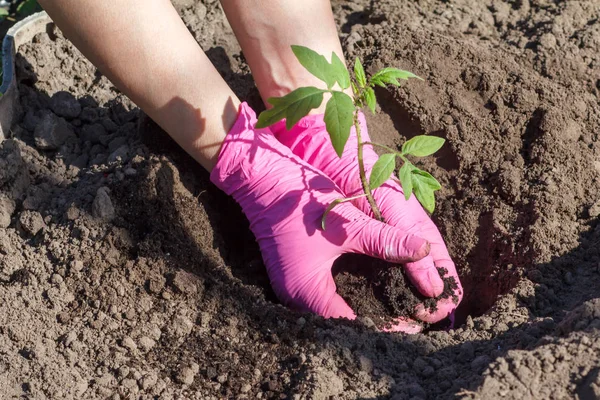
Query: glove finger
x,y
317,294
407,215
425,277
404,325
384,241
390,244
411,218
439,252
338,308
444,307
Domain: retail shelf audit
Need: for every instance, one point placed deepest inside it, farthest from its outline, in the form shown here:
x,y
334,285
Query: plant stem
x,y
361,170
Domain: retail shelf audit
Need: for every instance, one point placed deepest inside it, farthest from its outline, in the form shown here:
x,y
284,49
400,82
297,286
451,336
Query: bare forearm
x,y
144,48
267,29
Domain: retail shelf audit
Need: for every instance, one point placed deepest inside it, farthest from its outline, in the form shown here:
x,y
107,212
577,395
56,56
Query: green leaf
x,y
3,12
338,120
425,197
422,145
27,7
390,76
342,76
382,170
293,106
316,64
405,176
359,73
424,185
370,98
426,178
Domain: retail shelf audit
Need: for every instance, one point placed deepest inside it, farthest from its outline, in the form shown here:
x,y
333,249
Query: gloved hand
x,y
309,140
284,199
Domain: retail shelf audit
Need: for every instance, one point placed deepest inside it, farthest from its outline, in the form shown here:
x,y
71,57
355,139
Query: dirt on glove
x,y
125,274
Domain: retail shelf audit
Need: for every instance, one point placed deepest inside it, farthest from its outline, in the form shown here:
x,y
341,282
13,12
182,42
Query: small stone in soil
x,y
145,343
129,343
594,210
76,265
149,380
182,326
102,206
186,374
245,388
31,222
7,208
56,279
185,282
119,154
51,132
156,284
72,213
5,246
64,104
130,172
123,371
63,317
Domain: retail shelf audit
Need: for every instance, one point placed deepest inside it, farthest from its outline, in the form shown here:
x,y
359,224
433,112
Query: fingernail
x,y
423,247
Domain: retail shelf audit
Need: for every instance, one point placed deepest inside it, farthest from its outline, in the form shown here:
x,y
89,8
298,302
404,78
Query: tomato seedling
x,y
341,113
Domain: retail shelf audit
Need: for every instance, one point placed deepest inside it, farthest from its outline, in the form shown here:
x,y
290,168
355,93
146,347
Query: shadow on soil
x,y
452,367
167,202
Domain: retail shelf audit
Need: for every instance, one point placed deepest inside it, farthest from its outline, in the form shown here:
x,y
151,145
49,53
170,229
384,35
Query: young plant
x,y
341,113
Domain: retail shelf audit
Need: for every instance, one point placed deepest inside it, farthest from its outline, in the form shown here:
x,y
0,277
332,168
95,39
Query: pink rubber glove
x,y
284,199
309,140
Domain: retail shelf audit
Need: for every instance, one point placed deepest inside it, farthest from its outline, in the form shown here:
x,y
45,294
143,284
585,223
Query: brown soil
x,y
382,292
125,274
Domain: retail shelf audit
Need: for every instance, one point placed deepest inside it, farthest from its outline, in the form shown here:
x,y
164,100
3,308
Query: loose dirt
x,y
125,274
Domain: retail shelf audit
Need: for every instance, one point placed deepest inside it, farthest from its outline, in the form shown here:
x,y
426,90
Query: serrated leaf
x,y
316,64
382,170
424,186
390,76
370,98
379,83
405,176
422,145
359,73
342,76
338,120
293,106
426,178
